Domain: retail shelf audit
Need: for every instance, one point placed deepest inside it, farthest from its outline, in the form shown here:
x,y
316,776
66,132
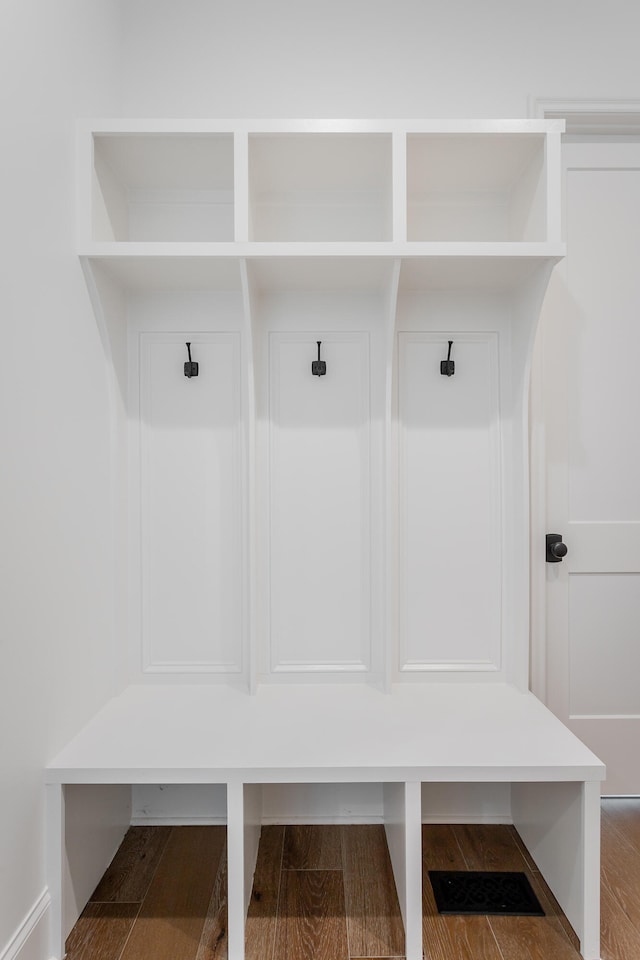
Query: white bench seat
x,y
291,733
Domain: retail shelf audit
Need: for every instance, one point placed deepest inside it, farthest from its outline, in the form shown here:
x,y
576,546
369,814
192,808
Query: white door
x,y
591,370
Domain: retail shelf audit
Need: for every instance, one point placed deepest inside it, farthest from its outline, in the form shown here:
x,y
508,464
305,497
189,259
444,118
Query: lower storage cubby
x,y
163,897
323,892
488,847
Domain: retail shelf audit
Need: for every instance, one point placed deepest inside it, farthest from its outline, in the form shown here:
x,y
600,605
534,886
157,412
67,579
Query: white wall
x,y
57,61
389,58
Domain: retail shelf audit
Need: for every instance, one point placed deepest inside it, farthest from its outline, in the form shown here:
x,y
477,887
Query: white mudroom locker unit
x,y
319,337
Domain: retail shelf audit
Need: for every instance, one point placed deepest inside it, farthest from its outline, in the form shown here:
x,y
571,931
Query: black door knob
x,y
556,549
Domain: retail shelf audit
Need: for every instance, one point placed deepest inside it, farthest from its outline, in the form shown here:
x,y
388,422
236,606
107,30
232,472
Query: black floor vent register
x,y
484,892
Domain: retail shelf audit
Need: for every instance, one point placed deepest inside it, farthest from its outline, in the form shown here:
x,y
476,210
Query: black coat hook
x,y
448,367
318,367
190,366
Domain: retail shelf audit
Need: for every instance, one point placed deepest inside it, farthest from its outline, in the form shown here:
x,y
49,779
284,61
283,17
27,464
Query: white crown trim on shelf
x,y
585,117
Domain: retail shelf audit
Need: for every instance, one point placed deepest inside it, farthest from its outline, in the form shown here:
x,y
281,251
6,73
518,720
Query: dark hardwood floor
x,y
327,893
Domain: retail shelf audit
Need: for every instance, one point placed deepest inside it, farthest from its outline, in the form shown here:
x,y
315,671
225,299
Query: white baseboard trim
x,y
484,819
31,939
345,820
177,822
293,821
266,821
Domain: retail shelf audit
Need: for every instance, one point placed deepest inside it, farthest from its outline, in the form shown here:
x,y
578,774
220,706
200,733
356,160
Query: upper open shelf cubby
x,y
163,187
476,187
349,188
320,186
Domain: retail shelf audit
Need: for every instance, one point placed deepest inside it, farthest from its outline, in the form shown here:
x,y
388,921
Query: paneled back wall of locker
x,y
319,503
320,483
320,468
188,462
450,489
449,502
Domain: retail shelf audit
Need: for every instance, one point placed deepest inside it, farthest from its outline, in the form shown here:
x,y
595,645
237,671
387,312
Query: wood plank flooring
x,y
620,879
488,938
327,893
332,899
170,878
